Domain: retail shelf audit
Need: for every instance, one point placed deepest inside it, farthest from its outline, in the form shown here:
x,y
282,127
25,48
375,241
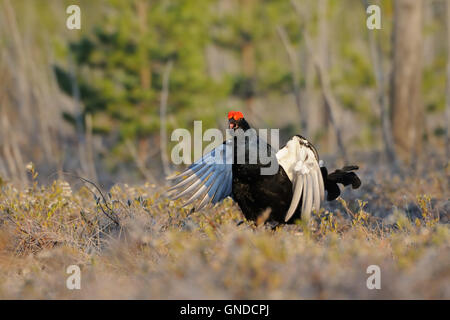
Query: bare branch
x,y
111,215
293,60
139,163
331,104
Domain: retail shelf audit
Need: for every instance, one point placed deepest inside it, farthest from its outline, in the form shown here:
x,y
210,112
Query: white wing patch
x,y
298,159
208,180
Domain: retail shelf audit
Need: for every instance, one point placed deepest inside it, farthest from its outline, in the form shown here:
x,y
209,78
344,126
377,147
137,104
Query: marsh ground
x,y
135,243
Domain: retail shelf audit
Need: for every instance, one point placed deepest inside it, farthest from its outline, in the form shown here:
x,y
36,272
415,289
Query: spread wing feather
x,y
207,181
300,162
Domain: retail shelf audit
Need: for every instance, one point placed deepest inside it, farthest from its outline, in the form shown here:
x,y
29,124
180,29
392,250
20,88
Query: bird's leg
x,y
272,225
262,218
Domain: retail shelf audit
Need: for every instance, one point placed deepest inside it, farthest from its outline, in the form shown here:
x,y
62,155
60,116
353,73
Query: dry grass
x,y
137,244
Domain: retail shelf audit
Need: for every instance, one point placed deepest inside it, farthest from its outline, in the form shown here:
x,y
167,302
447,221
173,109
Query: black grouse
x,y
236,169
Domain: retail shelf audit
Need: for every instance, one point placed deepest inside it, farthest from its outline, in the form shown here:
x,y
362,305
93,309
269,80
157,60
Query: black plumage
x,y
344,176
292,192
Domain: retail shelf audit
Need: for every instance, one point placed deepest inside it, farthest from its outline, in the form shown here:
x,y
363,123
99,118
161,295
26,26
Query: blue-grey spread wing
x,y
206,181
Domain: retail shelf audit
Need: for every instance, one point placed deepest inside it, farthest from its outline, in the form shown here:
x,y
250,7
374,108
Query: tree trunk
x,y
386,130
323,57
248,54
406,79
163,116
145,74
447,107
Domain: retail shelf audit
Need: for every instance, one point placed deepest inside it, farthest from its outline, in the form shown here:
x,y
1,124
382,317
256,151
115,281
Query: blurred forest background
x,y
102,101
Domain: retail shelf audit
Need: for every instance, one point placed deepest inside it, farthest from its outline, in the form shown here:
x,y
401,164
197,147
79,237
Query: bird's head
x,y
236,120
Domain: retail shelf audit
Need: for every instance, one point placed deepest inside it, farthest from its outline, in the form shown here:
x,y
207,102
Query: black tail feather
x,y
344,176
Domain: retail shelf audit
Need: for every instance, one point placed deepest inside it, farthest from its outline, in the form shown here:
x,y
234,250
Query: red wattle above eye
x,y
238,115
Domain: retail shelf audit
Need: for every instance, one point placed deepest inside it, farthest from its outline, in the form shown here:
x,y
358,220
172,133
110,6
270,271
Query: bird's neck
x,y
244,125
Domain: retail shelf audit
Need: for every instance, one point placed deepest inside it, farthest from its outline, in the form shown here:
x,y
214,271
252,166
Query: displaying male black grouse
x,y
236,169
